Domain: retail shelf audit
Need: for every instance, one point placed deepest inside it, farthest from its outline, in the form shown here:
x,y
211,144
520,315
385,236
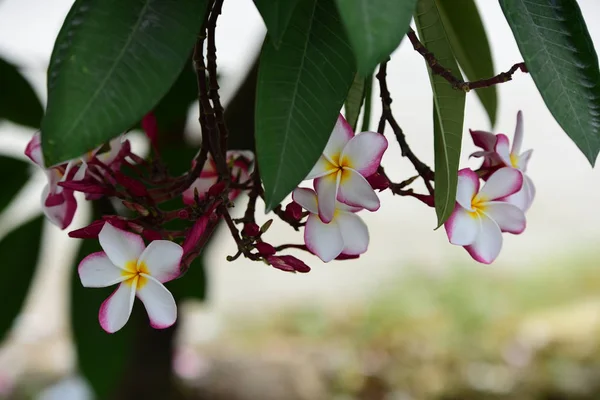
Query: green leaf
x,y
14,181
277,15
18,101
559,53
301,89
449,105
375,28
354,100
18,268
471,47
112,62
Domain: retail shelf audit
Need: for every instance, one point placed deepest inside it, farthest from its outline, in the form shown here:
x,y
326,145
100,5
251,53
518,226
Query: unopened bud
x,y
265,249
378,181
216,189
251,230
265,227
293,211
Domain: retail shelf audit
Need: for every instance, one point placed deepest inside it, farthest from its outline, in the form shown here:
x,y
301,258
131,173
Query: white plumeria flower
x,y
479,217
341,171
512,157
139,270
345,233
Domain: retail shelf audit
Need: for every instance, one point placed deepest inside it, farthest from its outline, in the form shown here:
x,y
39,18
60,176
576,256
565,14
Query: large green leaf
x,y
560,56
471,47
13,181
112,62
355,99
18,101
449,107
301,89
19,253
375,28
277,15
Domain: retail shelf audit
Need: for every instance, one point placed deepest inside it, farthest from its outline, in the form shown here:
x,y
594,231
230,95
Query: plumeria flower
x,y
139,271
480,216
240,170
497,153
341,170
346,233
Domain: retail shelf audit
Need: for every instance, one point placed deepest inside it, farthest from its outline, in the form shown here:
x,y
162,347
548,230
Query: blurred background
x,y
414,318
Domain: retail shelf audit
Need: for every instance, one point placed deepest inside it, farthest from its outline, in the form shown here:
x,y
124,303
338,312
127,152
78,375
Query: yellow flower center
x,y
135,270
478,206
514,160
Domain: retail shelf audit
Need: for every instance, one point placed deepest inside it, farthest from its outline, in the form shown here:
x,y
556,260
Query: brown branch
x,y
458,83
386,115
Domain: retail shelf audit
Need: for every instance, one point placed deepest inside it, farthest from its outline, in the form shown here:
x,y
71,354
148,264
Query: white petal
x,y
324,240
327,189
523,160
524,197
159,302
201,185
322,167
502,183
306,198
355,191
34,150
518,138
120,246
354,233
488,242
363,152
468,186
342,133
508,216
62,214
116,309
96,270
462,227
162,258
503,150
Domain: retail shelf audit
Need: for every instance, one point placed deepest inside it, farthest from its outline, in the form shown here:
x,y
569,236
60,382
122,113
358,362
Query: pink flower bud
x,y
378,181
265,249
151,235
293,211
133,186
288,263
251,230
87,186
343,256
192,238
150,127
216,189
88,232
183,214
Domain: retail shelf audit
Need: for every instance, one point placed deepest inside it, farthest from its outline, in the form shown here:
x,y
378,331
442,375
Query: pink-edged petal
x,y
159,303
162,258
503,149
34,150
479,154
322,167
347,208
356,191
502,183
363,152
509,217
342,133
523,160
121,247
485,140
116,309
518,138
306,198
354,233
462,227
488,242
200,184
323,240
62,214
96,270
327,190
524,197
467,187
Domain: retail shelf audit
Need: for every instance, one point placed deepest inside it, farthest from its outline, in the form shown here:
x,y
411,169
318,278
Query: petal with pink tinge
x,y
116,309
485,140
34,150
96,270
159,303
518,138
120,246
200,184
363,152
306,198
488,243
356,191
327,190
62,214
502,183
354,233
322,167
342,133
508,216
162,258
503,150
467,187
462,227
324,240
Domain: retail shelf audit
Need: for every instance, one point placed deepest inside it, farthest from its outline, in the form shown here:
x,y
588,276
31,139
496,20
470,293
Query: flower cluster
x,y
341,190
481,215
